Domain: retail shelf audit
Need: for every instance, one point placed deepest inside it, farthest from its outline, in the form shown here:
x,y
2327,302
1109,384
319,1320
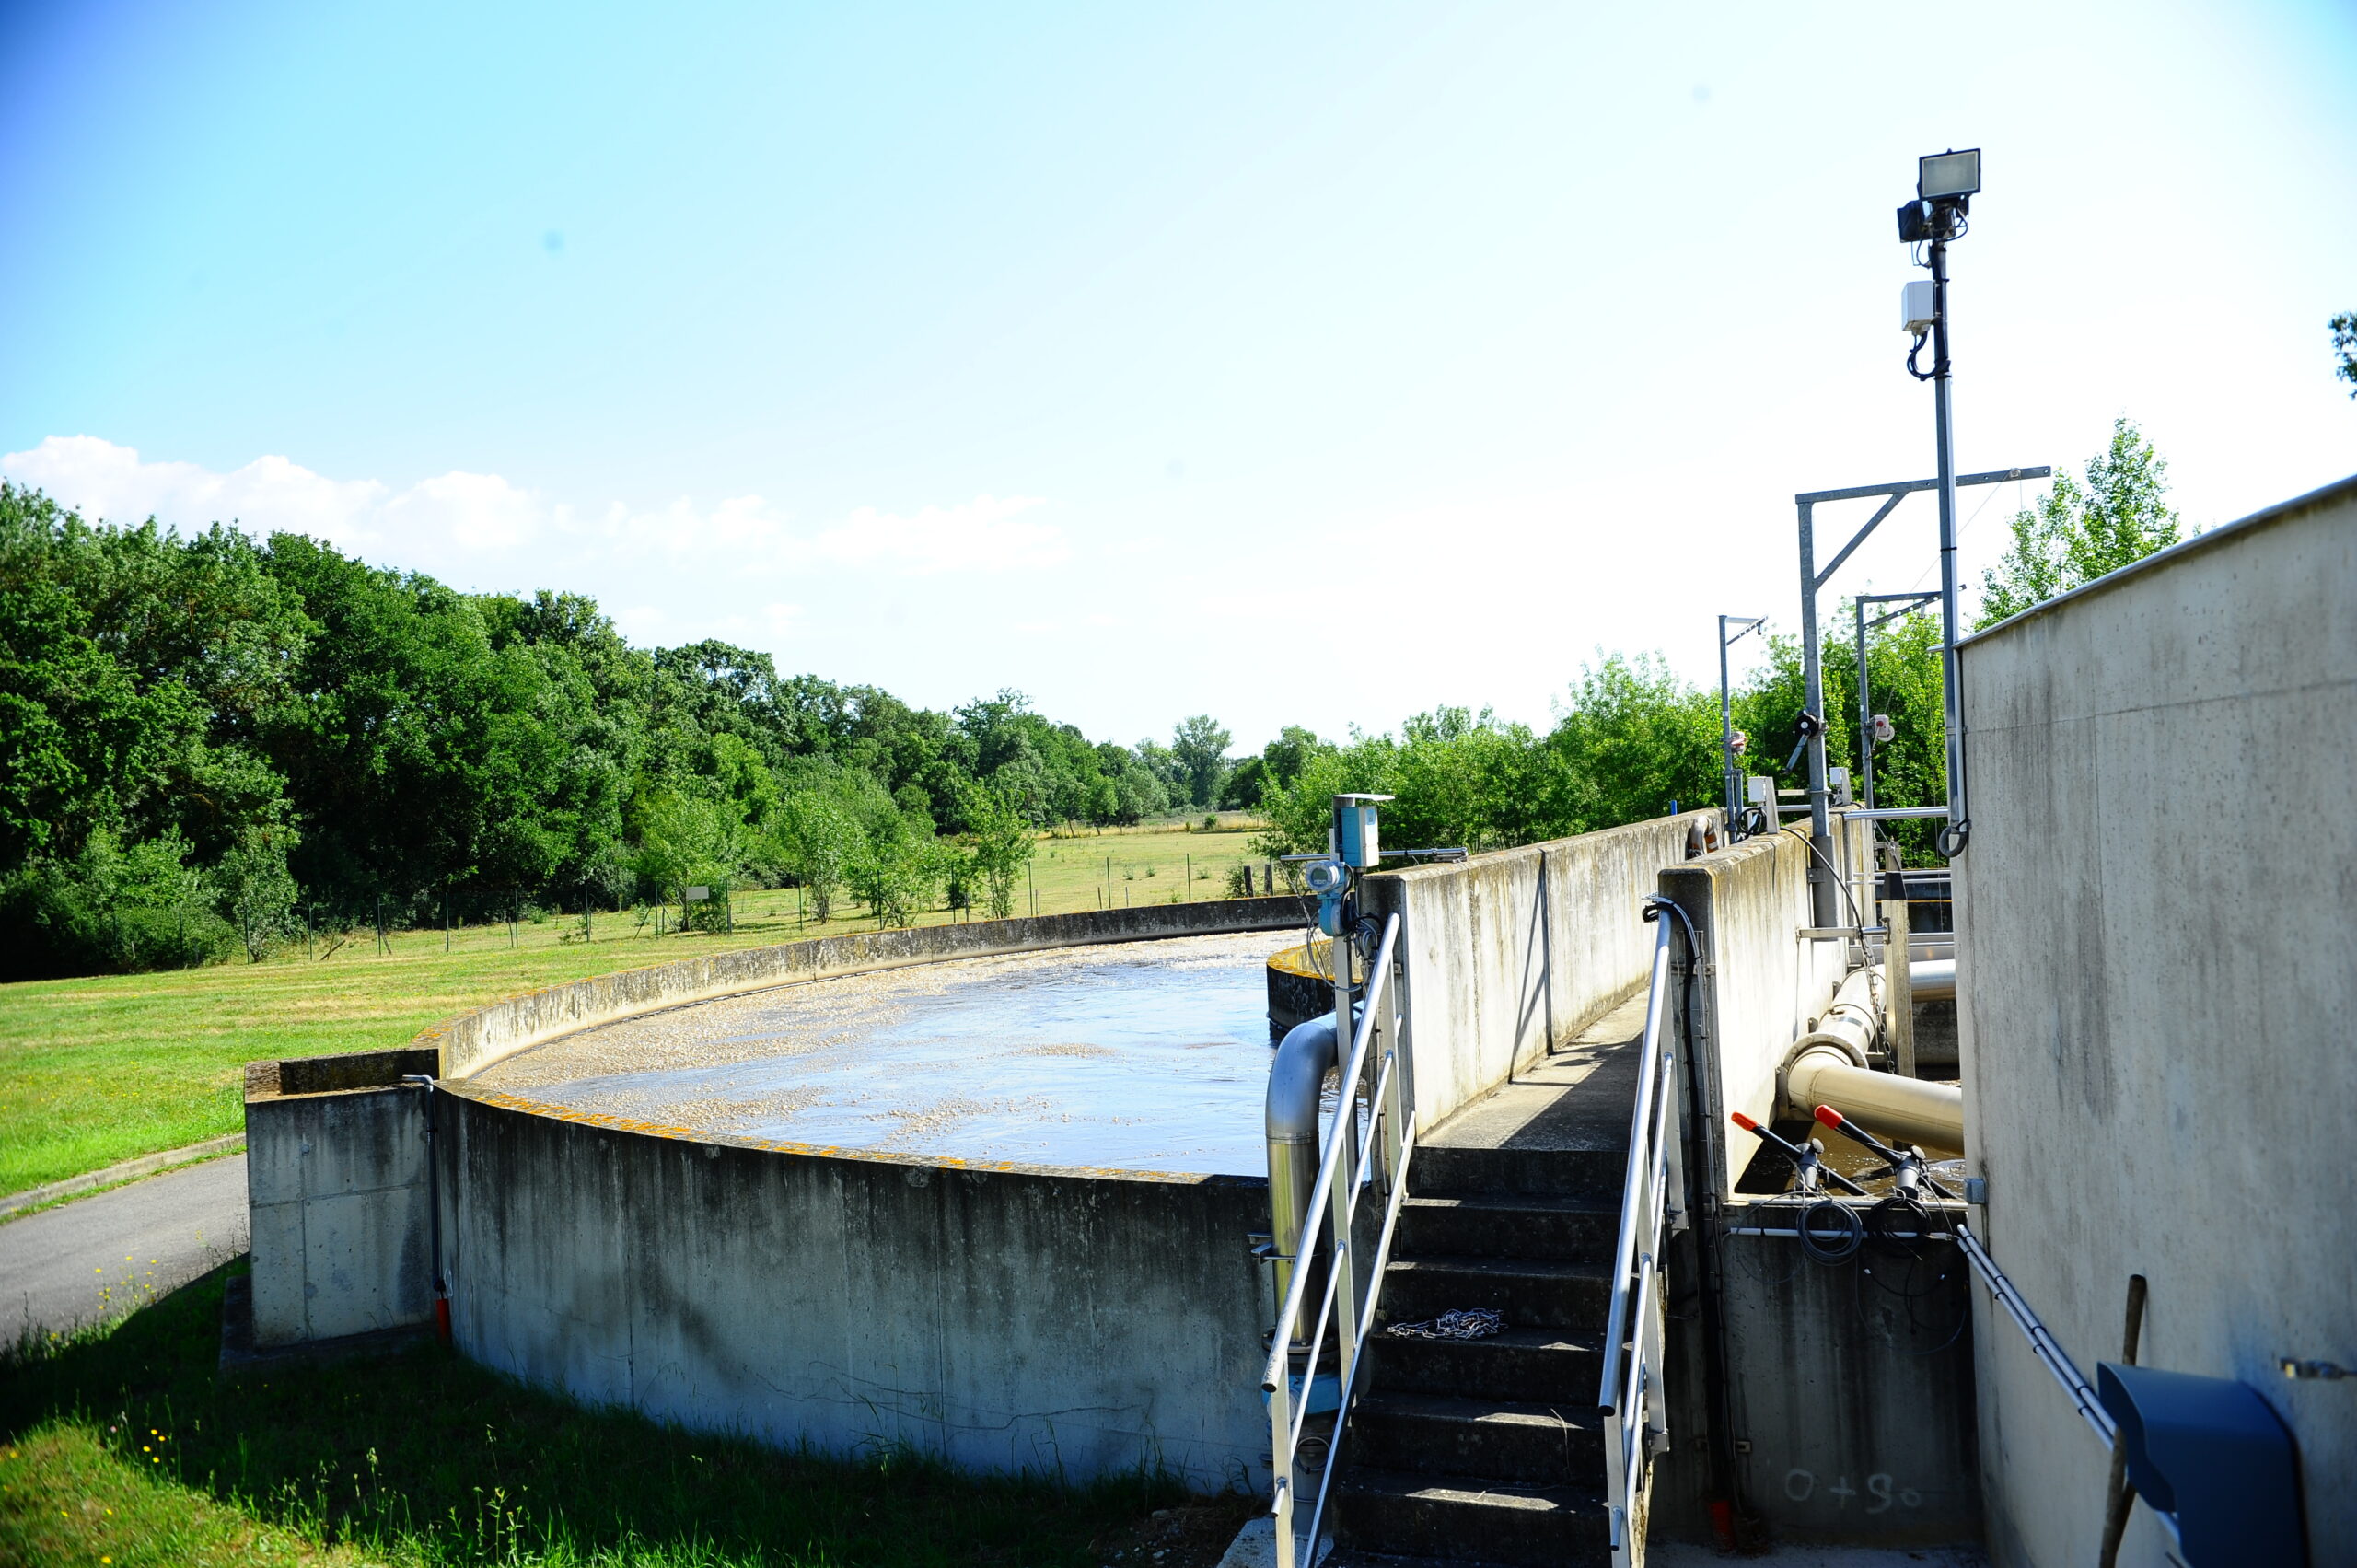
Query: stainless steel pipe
x,y
1296,1081
1934,980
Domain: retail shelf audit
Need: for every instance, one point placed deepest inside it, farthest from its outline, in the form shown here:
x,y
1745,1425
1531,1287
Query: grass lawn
x,y
104,1069
121,1447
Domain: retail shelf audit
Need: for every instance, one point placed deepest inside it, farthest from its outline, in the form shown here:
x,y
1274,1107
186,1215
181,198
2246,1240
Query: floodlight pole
x,y
1750,623
1950,686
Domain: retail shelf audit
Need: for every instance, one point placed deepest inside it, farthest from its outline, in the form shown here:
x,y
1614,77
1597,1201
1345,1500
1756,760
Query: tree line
x,y
208,742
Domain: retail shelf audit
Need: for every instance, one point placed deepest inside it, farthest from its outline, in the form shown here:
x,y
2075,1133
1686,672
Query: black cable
x,y
1833,871
1843,1245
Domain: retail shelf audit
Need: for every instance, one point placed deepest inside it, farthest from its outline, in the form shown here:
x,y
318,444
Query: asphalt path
x,y
103,1256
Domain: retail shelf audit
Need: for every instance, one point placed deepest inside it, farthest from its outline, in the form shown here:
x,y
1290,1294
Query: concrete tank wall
x,y
1003,1317
335,1186
1508,953
2157,962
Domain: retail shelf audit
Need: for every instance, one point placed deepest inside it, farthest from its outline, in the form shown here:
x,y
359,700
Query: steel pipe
x,y
1932,979
1296,1081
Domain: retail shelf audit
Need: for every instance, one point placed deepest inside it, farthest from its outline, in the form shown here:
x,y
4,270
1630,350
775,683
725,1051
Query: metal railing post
x,y
1387,1139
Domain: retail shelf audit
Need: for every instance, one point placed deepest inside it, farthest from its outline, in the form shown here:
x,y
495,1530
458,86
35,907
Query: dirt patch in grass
x,y
1195,1534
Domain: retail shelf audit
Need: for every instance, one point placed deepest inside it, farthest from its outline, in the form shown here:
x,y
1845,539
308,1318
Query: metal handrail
x,y
2042,1342
1333,1203
1652,1197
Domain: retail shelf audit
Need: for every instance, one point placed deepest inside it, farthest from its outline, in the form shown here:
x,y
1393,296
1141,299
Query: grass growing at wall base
x,y
120,1446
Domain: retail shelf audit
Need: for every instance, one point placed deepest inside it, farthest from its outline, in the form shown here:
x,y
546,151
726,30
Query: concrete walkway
x,y
103,1256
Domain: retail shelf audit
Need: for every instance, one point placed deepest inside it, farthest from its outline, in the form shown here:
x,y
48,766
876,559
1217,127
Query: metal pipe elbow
x,y
1296,1078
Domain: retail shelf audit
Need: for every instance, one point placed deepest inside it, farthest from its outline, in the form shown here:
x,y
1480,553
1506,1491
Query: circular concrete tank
x,y
1141,1056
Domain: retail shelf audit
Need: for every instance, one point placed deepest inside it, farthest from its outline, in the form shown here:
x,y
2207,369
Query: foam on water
x,y
1139,1056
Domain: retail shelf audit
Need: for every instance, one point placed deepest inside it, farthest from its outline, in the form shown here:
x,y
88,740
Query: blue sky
x,y
1315,363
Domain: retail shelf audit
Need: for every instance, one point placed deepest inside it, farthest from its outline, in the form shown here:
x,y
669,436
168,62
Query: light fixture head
x,y
1949,176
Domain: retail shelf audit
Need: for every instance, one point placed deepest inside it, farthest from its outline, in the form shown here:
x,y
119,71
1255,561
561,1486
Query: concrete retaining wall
x,y
336,1183
2158,966
472,1041
1849,1395
1508,953
1763,983
1081,1323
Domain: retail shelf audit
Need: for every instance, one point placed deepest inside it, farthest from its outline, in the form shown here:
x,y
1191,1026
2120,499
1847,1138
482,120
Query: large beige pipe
x,y
1906,1109
1828,1067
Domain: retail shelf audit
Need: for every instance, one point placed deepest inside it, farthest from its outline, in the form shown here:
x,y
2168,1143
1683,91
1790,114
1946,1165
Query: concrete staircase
x,y
1490,1451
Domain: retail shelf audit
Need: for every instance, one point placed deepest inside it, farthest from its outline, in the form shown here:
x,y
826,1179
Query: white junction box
x,y
1915,307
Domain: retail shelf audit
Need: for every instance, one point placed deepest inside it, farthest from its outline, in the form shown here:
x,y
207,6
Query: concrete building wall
x,y
475,1040
1510,952
336,1187
1081,1323
2157,966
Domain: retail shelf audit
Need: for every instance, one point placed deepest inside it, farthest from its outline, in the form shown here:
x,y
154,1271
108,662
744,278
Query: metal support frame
x,y
1909,602
1750,623
1823,895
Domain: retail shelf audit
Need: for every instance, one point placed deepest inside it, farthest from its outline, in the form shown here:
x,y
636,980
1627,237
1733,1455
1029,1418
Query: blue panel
x,y
2211,1452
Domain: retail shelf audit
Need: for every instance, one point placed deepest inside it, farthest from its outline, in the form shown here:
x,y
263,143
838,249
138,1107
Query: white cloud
x,y
271,493
467,525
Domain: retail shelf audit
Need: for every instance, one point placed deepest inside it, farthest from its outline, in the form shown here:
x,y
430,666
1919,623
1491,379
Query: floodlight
x,y
1944,177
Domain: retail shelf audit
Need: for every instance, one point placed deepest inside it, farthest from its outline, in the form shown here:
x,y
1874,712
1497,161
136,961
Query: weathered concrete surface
x,y
1003,1317
474,1040
1852,1385
106,1255
2158,965
1508,953
336,1183
1762,987
1852,1406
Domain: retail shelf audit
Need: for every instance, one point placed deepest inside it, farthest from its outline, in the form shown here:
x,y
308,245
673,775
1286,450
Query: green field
x,y
104,1069
120,1448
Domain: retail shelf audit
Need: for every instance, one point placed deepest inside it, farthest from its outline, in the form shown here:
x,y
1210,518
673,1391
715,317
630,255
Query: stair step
x,y
1510,1225
1543,1364
1440,1169
1486,1439
1530,1292
1404,1514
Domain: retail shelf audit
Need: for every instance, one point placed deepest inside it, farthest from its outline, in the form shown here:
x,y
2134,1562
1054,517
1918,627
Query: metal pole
x,y
1726,727
1865,716
1823,906
1952,695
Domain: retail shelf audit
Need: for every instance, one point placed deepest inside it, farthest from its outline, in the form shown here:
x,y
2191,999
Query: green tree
x,y
819,835
898,867
1199,746
2076,533
1632,740
2344,346
999,843
257,892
